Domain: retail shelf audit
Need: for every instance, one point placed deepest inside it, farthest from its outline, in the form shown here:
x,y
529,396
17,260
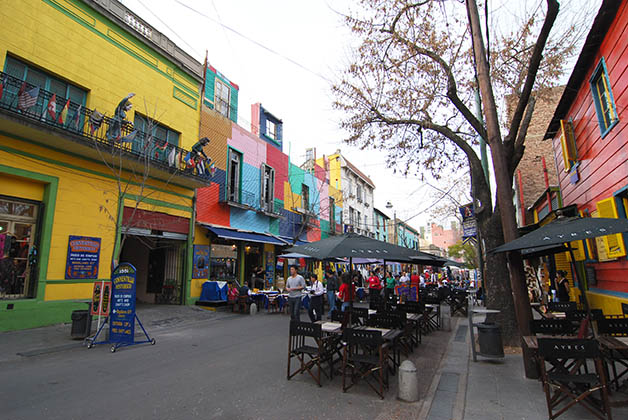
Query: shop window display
x,y
18,254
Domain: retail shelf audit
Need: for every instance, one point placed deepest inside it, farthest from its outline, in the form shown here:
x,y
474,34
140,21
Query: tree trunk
x,y
497,283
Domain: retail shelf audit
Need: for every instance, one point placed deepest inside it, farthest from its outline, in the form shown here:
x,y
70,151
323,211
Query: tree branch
x,y
519,147
535,61
452,89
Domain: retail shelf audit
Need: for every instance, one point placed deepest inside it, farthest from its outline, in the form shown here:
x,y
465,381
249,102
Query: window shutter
x,y
568,143
262,185
233,111
614,244
210,88
577,247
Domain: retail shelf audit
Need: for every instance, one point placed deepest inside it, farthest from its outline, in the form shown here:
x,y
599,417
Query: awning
x,y
238,235
289,240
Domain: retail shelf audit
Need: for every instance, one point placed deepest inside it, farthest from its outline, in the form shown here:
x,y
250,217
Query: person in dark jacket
x,y
562,286
332,287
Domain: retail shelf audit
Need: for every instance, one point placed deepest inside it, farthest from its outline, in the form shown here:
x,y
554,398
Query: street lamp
x,y
390,206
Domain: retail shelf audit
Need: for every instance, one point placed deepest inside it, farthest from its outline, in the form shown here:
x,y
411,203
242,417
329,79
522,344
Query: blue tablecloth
x,y
214,291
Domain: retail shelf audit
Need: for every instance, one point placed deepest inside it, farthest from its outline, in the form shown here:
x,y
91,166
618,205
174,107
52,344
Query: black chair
x,y
616,327
458,302
562,306
364,355
564,388
579,315
393,321
359,316
300,347
342,317
418,310
552,326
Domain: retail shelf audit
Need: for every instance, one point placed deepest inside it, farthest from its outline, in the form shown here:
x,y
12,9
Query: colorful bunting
x,y
77,118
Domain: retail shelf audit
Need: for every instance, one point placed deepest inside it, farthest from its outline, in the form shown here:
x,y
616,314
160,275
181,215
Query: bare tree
x,y
130,155
410,91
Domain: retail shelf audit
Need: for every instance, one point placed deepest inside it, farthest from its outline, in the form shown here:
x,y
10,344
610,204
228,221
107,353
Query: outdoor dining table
x,y
392,337
616,350
332,343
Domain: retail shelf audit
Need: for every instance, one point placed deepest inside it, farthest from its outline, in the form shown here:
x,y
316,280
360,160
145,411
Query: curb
x,y
431,393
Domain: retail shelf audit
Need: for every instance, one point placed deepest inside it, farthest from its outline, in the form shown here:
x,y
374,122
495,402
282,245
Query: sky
x,y
285,54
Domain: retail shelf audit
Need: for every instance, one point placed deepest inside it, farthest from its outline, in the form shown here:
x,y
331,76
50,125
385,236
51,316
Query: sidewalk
x,y
15,345
490,390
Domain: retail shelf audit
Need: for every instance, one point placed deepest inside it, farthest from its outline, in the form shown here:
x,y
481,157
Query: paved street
x,y
223,367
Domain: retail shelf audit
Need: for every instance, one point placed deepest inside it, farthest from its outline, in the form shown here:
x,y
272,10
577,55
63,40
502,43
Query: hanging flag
x,y
95,120
172,156
77,118
27,98
3,82
63,115
162,148
52,107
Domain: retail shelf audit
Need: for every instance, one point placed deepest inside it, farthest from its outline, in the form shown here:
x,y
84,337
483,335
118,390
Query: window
x,y
358,192
18,224
358,219
614,244
305,197
351,216
271,129
222,98
233,184
603,98
366,222
268,188
568,144
161,135
62,89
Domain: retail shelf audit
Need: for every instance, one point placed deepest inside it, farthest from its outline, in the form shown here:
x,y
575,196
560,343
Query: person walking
x,y
316,300
294,287
332,288
346,293
562,286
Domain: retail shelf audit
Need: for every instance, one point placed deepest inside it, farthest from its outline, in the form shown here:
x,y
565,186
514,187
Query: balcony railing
x,y
91,127
248,200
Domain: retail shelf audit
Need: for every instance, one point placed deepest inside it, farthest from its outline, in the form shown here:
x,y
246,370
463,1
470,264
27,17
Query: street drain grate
x,y
461,334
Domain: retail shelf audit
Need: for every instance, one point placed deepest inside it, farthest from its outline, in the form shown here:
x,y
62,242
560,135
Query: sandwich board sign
x,y
122,317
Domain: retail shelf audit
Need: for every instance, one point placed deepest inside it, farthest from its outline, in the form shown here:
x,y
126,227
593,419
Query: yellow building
x,y
82,181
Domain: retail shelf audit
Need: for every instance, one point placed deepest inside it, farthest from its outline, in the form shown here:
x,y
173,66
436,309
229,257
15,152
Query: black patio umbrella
x,y
542,251
352,245
564,230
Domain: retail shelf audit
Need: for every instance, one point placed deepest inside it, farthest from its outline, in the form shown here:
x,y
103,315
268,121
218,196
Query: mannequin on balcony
x,y
114,132
197,158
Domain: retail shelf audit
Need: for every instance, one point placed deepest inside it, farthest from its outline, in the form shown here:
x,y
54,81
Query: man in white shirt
x,y
316,299
404,278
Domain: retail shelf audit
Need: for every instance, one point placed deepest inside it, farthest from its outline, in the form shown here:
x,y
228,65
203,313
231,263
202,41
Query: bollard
x,y
408,382
253,308
446,322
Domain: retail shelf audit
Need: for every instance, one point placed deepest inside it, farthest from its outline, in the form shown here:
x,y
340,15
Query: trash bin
x,y
490,339
81,324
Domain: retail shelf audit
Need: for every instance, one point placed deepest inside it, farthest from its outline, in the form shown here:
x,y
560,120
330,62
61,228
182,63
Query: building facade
x,y
86,180
356,189
444,238
258,202
382,222
589,138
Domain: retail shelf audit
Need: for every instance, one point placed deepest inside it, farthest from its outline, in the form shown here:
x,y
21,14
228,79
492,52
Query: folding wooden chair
x,y
359,316
566,387
300,347
364,355
458,302
562,306
617,327
548,326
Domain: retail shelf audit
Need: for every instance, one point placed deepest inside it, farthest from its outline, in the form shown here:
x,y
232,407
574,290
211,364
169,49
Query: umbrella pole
x,y
581,288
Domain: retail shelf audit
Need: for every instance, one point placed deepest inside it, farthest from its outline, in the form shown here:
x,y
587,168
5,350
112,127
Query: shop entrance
x,y
252,262
160,265
18,253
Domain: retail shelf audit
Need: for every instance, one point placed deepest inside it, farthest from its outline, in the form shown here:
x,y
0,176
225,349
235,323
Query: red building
x,y
590,142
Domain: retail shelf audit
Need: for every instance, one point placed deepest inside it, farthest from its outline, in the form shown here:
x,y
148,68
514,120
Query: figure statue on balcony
x,y
197,158
114,132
